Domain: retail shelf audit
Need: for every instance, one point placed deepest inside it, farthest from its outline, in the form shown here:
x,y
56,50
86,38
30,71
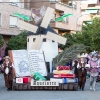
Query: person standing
x,y
94,63
82,72
74,64
9,71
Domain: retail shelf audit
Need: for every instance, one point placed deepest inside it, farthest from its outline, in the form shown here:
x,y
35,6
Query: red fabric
x,y
64,75
63,68
26,79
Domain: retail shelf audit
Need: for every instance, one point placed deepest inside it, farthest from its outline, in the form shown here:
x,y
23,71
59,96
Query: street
x,y
49,95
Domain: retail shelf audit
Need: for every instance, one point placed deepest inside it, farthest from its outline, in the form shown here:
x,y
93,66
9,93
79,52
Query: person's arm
x,y
87,65
78,65
2,67
98,64
73,63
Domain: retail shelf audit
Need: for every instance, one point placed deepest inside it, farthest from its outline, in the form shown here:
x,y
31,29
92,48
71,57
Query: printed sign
x,y
19,80
44,83
28,62
21,62
37,63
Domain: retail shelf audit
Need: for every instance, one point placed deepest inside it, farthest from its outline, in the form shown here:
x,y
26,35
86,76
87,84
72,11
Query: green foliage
x,y
69,54
94,33
89,36
18,42
1,41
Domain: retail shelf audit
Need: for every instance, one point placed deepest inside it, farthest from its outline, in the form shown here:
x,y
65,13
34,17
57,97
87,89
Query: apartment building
x,y
87,8
61,7
7,21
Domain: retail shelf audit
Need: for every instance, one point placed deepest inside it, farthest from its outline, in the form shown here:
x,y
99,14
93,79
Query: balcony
x,y
62,6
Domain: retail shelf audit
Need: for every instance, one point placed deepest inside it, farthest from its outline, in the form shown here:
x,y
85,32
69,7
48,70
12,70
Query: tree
x,y
1,41
94,33
18,42
70,41
89,36
69,54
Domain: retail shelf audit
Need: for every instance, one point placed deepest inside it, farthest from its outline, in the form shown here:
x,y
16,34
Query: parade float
x,y
30,65
31,73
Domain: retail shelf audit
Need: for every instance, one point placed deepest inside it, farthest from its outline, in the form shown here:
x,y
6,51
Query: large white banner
x,y
21,63
37,63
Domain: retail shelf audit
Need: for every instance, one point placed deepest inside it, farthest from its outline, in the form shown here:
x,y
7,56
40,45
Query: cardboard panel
x,y
33,15
27,26
56,38
37,44
21,63
37,62
47,18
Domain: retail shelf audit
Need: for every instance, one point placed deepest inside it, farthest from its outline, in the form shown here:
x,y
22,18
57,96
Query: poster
x,y
28,62
21,63
37,63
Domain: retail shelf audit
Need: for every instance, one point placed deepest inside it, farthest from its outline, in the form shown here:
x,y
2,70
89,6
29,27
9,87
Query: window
x,y
53,0
13,21
0,19
72,4
15,3
34,39
44,40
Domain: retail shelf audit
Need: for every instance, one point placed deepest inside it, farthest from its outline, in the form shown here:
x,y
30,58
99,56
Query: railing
x,y
61,3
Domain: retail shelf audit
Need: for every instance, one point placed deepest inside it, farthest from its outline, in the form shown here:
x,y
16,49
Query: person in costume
x,y
9,71
74,64
94,63
82,72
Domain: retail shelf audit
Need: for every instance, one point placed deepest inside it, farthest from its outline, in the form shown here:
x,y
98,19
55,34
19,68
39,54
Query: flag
x,y
62,17
24,17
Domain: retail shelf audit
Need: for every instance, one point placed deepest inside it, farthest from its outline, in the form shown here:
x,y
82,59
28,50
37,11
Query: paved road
x,y
49,95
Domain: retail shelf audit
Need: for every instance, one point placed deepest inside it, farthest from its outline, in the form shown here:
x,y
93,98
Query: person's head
x,y
82,58
95,56
7,58
78,57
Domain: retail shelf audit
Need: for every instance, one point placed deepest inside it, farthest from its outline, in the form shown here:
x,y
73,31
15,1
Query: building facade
x,y
7,21
8,26
88,8
61,7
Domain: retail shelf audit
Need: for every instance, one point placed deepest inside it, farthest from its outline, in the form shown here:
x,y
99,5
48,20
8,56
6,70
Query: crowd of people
x,y
84,64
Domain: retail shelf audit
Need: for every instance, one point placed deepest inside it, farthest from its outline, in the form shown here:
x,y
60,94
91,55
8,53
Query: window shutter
x,y
13,21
